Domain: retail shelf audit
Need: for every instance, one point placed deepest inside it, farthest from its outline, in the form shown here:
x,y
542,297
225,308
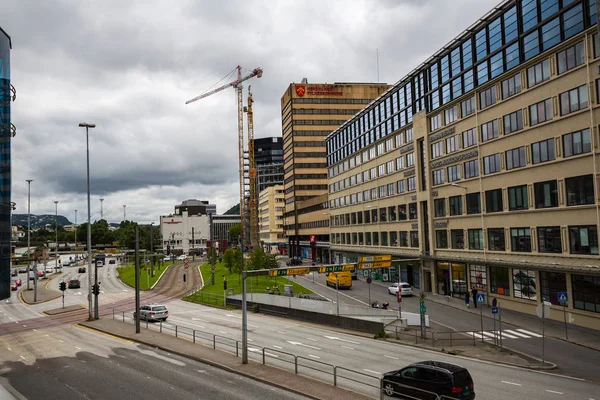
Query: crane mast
x,y
253,198
237,85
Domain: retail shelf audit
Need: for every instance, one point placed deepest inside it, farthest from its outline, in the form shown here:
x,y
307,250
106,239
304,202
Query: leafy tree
x,y
258,259
271,261
228,259
234,233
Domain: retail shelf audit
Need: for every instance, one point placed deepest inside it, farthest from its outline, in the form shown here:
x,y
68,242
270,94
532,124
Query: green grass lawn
x,y
127,275
213,294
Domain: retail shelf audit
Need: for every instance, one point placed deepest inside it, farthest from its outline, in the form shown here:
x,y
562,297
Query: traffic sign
x,y
212,268
563,297
399,295
336,268
367,259
186,264
480,298
289,271
376,264
494,310
543,310
422,309
369,279
495,302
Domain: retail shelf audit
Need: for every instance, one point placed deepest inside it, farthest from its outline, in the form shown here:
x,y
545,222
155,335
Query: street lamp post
x,y
89,226
101,209
56,235
28,227
124,214
75,229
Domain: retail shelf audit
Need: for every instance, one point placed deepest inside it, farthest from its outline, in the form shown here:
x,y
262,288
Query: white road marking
x,y
511,383
47,335
78,348
349,348
23,357
303,345
489,334
35,330
60,341
340,339
230,315
24,326
278,347
511,332
223,332
310,355
552,391
529,333
255,350
311,339
371,371
282,332
9,348
250,340
385,355
161,357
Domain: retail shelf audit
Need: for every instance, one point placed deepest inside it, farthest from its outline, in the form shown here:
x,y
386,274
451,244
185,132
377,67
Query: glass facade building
x,y
6,131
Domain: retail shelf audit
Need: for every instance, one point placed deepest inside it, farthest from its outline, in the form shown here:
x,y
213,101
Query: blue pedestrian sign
x,y
494,310
480,299
494,303
369,280
563,297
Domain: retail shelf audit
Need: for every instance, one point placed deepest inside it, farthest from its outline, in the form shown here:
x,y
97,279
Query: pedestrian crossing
x,y
506,334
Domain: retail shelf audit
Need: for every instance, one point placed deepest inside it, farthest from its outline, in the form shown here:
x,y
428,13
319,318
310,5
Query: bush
x,y
255,308
381,334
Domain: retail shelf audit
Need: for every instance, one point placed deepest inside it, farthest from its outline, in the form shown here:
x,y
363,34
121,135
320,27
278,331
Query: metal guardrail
x,y
390,388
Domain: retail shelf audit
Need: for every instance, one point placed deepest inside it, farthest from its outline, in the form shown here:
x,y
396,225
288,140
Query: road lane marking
x,y
223,332
9,348
552,391
317,357
255,350
511,332
490,335
278,347
47,335
23,357
78,348
248,339
349,348
340,339
311,339
60,341
161,357
392,357
303,345
371,371
529,333
282,332
511,383
35,330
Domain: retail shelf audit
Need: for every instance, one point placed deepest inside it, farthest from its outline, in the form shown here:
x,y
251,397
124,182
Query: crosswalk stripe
x,y
476,334
529,333
509,336
511,332
489,334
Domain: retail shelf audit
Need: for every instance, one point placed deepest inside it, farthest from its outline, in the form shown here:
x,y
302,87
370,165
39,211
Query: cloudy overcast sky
x,y
129,66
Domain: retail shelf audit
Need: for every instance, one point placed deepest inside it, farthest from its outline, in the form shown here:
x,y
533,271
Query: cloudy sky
x,y
129,66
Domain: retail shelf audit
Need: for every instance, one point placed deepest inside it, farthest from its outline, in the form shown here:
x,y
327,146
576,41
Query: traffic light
x,y
96,289
224,285
63,286
184,278
168,249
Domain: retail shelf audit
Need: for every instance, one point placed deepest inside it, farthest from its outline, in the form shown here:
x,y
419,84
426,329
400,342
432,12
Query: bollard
x,y
296,365
214,341
237,350
160,326
433,339
146,324
194,335
335,375
113,313
175,330
123,316
416,338
263,355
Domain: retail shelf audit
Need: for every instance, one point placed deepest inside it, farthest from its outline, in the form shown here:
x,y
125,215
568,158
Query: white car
x,y
405,289
167,258
182,257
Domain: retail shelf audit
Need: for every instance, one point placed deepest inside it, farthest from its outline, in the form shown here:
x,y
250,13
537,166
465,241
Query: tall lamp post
x,y
89,226
28,227
124,214
101,209
75,229
56,235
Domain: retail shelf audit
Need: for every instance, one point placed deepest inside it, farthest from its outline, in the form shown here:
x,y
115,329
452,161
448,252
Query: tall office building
x,y
268,157
6,133
309,112
481,165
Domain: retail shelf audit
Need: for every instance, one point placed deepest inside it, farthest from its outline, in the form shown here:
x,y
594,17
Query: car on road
x,y
23,270
14,272
19,282
428,380
74,284
153,312
405,288
81,270
13,285
167,258
41,274
182,257
66,263
113,261
293,261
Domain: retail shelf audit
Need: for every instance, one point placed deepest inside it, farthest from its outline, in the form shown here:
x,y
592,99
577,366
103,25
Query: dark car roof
x,y
452,368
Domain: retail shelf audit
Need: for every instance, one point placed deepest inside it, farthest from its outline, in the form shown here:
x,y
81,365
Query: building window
x,y
394,238
577,143
538,73
471,169
583,240
367,238
478,276
469,138
403,239
546,194
380,149
542,151
520,239
496,239
414,238
551,284
511,86
580,190
473,203
367,217
549,239
586,292
402,212
513,122
515,158
517,198
410,159
437,150
375,238
493,201
455,205
409,135
573,100
454,173
441,239
399,163
412,211
439,206
570,58
412,183
487,97
540,112
524,285
458,238
389,167
475,239
489,130
392,213
383,214
435,122
499,281
452,144
467,107
401,186
491,164
450,115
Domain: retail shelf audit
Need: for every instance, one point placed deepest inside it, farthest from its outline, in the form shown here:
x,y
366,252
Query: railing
x,y
391,388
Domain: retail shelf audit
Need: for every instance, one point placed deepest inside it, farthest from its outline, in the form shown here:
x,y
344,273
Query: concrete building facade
x,y
271,204
6,134
482,164
268,157
309,112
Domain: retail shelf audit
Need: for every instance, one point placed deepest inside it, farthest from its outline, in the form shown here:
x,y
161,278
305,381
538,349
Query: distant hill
x,y
39,221
235,210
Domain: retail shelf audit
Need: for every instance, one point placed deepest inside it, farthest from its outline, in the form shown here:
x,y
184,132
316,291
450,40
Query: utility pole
x,y
193,243
56,232
124,213
151,251
101,209
28,228
75,229
137,280
244,309
212,251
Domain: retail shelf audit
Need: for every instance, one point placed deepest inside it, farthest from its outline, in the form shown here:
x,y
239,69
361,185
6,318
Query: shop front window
x,y
478,275
551,283
586,292
499,282
524,284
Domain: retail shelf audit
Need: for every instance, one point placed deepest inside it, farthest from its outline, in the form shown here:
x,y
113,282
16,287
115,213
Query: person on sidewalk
x,y
467,299
474,293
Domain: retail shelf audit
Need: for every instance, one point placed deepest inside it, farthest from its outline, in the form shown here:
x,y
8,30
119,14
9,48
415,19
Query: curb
x,y
209,362
20,296
160,277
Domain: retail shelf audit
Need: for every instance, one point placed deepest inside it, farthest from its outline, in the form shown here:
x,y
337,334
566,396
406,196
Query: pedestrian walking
x,y
467,300
474,292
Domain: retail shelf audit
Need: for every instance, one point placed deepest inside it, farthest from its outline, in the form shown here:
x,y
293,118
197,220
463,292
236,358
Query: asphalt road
x,y
74,363
572,360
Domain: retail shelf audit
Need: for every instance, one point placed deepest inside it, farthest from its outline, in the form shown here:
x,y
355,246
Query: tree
x,y
235,232
258,259
228,259
271,261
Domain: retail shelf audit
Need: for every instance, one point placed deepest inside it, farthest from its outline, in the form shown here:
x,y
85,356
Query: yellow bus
x,y
344,279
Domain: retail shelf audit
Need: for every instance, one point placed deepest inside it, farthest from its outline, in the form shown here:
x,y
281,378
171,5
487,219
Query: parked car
x,y
74,284
113,261
19,282
182,257
153,312
41,274
14,272
428,380
23,270
13,285
293,261
99,264
405,289
81,270
66,263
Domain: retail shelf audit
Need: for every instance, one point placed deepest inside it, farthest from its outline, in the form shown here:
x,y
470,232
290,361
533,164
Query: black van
x,y
428,379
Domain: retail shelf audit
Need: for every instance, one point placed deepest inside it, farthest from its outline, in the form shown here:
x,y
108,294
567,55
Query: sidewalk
x,y
264,373
577,335
43,293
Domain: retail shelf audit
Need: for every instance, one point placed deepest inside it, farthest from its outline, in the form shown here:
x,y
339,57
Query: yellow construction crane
x,y
237,85
253,198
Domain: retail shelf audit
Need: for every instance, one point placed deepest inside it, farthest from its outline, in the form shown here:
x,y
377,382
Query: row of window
x,y
391,189
393,238
385,214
